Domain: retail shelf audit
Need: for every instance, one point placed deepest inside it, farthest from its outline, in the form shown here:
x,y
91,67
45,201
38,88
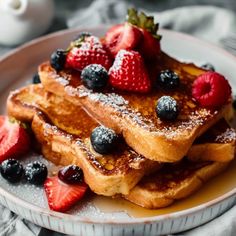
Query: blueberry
x,y
208,66
167,108
71,174
94,76
36,173
103,139
36,79
58,59
11,170
168,79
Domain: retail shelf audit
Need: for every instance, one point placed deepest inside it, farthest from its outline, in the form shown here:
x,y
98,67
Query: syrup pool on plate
x,y
212,189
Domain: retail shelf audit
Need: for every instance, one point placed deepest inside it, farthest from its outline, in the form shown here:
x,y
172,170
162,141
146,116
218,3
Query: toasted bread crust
x,y
126,114
23,104
105,175
160,190
63,148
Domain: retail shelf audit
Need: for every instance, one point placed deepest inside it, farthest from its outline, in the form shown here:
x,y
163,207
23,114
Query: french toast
x,y
60,144
174,181
22,104
134,115
56,127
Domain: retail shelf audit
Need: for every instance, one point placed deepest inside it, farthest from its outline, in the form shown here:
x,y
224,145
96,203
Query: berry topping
x,y
36,173
11,170
61,197
14,139
71,174
149,46
85,51
167,108
211,90
58,59
168,79
103,139
208,66
94,76
36,79
129,73
138,33
122,36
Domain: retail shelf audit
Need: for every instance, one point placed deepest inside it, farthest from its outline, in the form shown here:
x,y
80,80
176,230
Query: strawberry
x,y
61,196
85,51
211,89
14,139
129,73
149,46
122,36
138,33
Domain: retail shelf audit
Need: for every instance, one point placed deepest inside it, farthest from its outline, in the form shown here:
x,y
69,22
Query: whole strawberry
x,y
14,139
85,51
129,73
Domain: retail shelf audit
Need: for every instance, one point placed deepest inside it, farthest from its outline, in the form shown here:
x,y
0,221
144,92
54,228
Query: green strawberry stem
x,y
143,21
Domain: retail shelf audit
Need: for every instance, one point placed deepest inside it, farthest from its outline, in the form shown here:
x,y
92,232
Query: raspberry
x,y
211,90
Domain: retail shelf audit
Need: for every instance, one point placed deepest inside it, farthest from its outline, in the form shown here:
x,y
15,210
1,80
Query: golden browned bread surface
x,y
134,116
64,129
172,182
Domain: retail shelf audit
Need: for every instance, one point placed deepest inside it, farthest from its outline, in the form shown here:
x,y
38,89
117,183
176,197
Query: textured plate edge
x,y
154,219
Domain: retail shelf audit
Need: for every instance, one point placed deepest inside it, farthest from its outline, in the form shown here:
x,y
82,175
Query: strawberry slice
x,y
14,139
61,196
129,73
85,51
122,36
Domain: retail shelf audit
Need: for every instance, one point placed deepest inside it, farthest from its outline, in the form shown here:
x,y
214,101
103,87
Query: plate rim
x,y
153,219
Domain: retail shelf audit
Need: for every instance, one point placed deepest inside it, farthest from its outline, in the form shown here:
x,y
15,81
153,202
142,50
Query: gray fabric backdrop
x,y
72,13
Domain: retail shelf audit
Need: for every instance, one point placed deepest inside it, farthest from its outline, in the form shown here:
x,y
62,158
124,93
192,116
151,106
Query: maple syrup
x,y
212,189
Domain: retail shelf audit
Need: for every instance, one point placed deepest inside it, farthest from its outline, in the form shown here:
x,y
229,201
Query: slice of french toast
x,y
174,181
23,104
63,147
64,129
216,144
134,116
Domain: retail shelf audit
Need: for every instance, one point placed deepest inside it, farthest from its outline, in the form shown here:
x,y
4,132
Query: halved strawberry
x,y
85,51
14,139
129,73
149,46
139,33
122,36
61,196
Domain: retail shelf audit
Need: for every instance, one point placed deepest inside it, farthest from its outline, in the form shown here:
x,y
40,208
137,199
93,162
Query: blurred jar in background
x,y
23,20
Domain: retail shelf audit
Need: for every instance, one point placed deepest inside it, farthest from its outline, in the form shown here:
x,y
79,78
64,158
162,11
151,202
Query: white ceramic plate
x,y
102,216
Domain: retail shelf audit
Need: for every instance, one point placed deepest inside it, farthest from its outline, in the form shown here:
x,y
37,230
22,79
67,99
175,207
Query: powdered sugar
x,y
119,59
228,136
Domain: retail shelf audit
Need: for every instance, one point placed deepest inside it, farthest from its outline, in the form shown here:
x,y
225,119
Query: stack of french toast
x,y
140,124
